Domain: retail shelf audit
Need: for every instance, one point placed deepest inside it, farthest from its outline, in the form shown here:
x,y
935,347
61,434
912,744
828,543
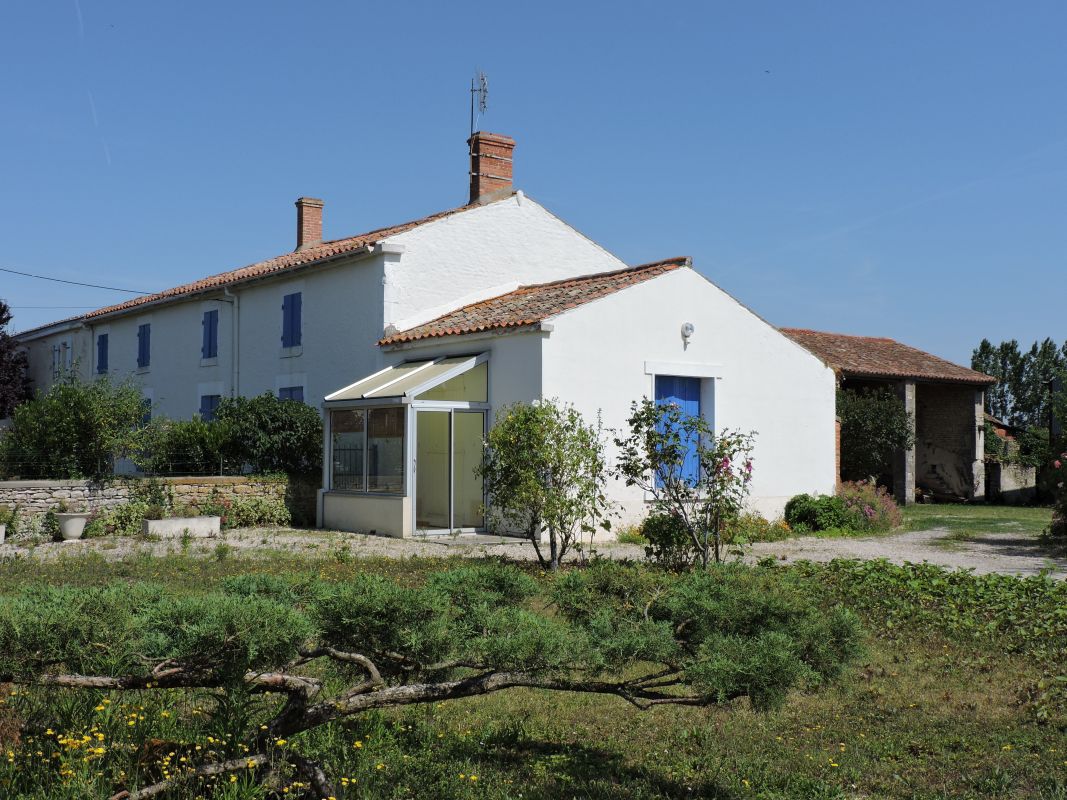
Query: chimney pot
x,y
308,222
491,166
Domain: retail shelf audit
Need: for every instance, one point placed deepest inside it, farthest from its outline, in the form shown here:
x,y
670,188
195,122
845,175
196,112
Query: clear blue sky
x,y
895,169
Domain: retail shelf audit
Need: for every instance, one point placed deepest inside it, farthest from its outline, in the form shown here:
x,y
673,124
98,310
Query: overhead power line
x,y
73,283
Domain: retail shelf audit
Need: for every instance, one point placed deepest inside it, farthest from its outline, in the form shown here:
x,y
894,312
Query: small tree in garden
x,y
544,469
874,426
74,430
14,381
653,457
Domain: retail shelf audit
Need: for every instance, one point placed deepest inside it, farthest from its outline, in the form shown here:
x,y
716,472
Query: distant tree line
x,y
1030,393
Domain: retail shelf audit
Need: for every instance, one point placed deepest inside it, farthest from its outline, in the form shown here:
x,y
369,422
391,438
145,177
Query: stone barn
x,y
946,402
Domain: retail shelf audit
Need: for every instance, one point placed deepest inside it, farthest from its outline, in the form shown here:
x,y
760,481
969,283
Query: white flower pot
x,y
71,525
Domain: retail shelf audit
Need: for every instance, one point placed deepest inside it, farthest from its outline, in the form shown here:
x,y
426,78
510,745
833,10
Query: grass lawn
x,y
945,702
965,521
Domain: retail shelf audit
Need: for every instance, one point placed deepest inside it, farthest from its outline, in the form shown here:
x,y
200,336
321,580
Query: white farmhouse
x,y
417,334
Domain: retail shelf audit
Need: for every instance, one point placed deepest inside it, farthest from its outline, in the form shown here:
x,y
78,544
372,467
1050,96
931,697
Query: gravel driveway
x,y
1012,554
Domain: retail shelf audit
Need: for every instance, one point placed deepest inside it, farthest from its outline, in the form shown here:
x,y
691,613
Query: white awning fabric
x,y
404,381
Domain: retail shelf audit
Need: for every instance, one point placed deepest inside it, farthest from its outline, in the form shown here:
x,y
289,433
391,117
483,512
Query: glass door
x,y
468,428
448,451
433,448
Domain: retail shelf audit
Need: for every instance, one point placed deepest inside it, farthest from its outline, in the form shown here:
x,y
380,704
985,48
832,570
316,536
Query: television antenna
x,y
479,90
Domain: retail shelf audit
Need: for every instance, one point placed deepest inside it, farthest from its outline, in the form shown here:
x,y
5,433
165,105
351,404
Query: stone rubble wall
x,y
38,497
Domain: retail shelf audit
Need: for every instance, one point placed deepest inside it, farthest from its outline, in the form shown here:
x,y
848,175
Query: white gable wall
x,y
596,358
459,258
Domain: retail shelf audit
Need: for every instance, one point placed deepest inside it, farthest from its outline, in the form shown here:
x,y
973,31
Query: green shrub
x,y
869,507
806,513
753,527
183,447
270,435
246,512
630,534
669,542
1058,481
122,520
10,517
74,430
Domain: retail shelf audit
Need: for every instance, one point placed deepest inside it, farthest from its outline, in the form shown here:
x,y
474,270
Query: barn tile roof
x,y
875,357
529,305
261,269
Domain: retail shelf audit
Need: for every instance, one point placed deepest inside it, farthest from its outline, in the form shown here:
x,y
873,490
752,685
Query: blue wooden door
x,y
684,393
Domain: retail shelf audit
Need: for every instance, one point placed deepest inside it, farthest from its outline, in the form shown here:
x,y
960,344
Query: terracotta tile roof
x,y
262,269
869,356
529,305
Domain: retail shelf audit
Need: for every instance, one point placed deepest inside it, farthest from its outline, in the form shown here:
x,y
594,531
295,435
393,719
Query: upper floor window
x,y
684,393
62,358
291,393
210,346
101,354
291,322
144,345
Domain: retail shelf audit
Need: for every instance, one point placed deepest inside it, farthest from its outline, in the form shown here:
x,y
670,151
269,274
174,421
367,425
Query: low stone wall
x,y
38,497
1013,484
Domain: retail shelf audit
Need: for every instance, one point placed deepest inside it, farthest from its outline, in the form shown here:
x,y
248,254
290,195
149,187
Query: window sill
x,y
292,352
209,362
143,370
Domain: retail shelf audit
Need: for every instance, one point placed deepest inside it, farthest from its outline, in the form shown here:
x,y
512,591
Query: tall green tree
x,y
1022,396
14,380
544,470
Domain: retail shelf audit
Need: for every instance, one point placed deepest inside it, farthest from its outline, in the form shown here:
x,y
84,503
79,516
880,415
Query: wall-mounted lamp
x,y
687,331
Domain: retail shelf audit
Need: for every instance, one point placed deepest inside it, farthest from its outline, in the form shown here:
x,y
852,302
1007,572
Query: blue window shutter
x,y
287,321
291,308
209,404
685,393
101,354
210,346
144,345
298,302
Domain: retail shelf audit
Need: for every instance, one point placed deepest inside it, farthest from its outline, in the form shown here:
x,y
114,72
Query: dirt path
x,y
1007,553
1011,554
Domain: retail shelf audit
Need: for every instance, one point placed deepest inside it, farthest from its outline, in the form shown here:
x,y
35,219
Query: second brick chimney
x,y
491,161
308,222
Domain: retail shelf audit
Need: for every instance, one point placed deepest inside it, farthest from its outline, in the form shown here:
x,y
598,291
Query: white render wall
x,y
596,358
481,252
346,306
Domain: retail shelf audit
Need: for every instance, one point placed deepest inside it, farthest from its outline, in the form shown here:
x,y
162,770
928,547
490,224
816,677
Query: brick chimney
x,y
491,159
308,222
